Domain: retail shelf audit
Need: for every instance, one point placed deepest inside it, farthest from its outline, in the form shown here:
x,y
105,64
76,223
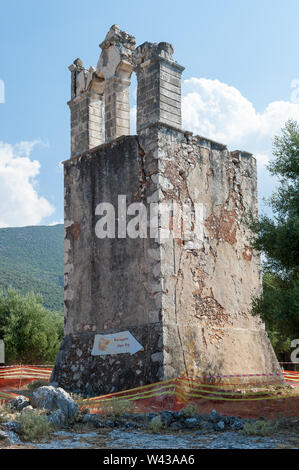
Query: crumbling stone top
x,y
117,53
119,38
148,50
76,65
84,79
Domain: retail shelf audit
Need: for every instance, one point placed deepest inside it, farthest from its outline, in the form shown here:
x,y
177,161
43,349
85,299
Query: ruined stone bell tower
x,y
154,298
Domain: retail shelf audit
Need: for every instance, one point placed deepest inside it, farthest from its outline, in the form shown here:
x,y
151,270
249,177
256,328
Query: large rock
x,y
10,436
191,423
12,426
51,398
18,403
28,409
57,418
3,435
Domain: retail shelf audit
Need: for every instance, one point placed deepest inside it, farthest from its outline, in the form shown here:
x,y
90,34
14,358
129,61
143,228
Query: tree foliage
x,y
277,238
31,333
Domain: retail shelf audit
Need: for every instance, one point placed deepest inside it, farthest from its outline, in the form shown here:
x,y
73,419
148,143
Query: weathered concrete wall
x,y
187,301
106,280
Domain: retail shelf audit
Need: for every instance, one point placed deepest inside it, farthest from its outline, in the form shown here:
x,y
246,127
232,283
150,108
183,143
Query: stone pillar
x,y
117,108
159,85
87,109
115,66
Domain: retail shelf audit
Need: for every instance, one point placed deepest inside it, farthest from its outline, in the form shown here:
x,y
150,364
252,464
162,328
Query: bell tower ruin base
x,y
156,297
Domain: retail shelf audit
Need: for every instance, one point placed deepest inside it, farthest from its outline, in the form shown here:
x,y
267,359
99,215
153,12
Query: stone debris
x,y
191,423
28,409
3,435
57,418
52,399
10,436
12,426
13,437
18,403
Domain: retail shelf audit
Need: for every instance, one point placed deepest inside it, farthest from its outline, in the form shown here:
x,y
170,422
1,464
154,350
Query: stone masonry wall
x,y
159,85
87,118
208,285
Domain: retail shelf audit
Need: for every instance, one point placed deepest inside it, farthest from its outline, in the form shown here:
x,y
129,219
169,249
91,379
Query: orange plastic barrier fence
x,y
176,393
292,377
169,394
12,377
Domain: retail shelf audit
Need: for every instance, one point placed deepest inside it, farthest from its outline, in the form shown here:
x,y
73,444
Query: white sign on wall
x,y
116,343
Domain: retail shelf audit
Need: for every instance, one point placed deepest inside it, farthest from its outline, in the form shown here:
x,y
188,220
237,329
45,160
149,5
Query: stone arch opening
x,y
100,98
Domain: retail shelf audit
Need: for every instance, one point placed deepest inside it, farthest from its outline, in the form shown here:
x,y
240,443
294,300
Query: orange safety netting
x,y
291,377
174,394
171,394
15,377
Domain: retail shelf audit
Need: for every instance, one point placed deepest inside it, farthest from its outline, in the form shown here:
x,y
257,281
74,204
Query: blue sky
x,y
240,54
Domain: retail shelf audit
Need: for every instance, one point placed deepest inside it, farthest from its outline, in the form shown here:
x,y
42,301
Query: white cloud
x,y
220,112
20,203
216,110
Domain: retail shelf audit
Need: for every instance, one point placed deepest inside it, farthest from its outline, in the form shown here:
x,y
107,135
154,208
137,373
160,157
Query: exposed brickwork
x,y
87,109
159,85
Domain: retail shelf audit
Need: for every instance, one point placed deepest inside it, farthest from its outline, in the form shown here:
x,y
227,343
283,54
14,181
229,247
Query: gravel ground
x,y
185,429
118,439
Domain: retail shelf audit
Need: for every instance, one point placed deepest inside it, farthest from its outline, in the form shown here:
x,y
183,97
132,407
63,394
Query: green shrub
x,y
190,410
34,426
115,408
259,428
6,413
155,425
36,384
83,407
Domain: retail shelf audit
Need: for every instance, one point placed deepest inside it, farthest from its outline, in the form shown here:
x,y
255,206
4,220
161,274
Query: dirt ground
x,y
269,409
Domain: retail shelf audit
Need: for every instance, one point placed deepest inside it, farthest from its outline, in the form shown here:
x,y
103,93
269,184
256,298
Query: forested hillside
x,y
31,259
